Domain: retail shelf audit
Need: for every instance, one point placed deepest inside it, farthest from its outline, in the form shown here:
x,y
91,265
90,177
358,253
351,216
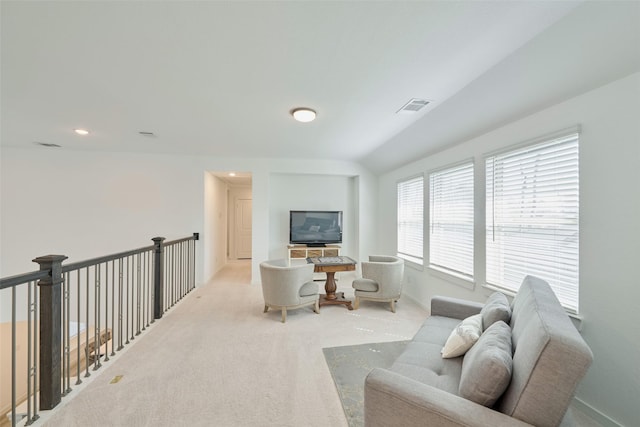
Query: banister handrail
x,y
99,260
18,279
184,239
7,282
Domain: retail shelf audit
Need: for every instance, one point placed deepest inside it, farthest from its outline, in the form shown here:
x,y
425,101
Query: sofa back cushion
x,y
549,360
496,308
486,368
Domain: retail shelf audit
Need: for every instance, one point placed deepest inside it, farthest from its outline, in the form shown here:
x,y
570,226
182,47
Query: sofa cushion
x,y
422,362
487,366
496,308
308,289
463,336
366,285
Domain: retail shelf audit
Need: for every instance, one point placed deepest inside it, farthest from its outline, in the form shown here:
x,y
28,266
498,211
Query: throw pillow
x,y
496,308
463,337
487,367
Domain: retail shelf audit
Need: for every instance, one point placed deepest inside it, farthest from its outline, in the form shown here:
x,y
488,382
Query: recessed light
x,y
81,131
232,174
303,115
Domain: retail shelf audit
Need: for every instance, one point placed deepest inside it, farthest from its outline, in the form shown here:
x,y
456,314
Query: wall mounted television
x,y
315,228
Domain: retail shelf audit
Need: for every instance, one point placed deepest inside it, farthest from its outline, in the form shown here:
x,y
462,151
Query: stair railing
x,y
74,317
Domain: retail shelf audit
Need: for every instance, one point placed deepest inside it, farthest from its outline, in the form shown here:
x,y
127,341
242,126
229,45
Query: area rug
x,y
349,365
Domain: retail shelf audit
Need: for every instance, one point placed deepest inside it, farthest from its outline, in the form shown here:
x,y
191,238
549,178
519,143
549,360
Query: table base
x,y
339,300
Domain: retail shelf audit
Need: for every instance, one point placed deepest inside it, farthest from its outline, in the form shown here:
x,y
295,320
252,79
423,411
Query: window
x,y
411,219
451,220
532,217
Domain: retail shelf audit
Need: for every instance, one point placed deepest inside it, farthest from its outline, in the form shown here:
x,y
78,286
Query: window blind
x,y
532,217
451,219
411,219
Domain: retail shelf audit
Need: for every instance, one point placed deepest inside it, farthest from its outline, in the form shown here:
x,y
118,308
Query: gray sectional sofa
x,y
523,370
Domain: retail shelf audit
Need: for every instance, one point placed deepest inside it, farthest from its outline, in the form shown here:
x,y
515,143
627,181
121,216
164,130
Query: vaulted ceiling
x,y
220,77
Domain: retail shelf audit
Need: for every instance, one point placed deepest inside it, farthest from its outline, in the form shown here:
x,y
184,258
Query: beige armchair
x,y
287,287
381,280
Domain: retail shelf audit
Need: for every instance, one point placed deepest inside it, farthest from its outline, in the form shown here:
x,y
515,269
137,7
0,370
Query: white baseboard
x,y
594,414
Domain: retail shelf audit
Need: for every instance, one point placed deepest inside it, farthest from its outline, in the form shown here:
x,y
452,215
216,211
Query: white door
x,y
243,228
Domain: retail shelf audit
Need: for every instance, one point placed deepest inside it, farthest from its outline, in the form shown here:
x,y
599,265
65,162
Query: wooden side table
x,y
331,265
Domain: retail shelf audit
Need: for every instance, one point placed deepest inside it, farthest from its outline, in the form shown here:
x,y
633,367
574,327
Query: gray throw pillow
x,y
487,366
496,308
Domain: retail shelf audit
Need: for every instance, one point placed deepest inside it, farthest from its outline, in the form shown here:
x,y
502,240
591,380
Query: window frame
x,y
467,275
416,257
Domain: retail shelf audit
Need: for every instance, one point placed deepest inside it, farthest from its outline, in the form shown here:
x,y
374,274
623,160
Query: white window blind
x,y
451,220
532,217
411,219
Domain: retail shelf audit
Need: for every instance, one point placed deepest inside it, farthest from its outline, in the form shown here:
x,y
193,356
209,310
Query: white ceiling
x,y
219,78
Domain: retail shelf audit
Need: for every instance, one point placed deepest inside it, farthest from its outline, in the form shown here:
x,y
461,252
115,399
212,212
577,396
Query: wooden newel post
x,y
158,277
50,331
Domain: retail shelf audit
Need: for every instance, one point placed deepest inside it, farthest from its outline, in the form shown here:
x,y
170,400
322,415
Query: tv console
x,y
299,253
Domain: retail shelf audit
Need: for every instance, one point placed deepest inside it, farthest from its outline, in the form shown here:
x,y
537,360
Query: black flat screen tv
x,y
315,228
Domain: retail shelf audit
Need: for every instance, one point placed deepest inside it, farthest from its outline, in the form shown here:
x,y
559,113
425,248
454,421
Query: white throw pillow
x,y
463,337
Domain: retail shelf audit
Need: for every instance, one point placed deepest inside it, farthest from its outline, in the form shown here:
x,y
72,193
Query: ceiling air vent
x,y
150,134
413,106
48,144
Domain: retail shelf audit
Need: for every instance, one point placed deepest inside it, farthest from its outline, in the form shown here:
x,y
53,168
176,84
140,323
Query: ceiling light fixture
x,y
303,115
81,131
232,174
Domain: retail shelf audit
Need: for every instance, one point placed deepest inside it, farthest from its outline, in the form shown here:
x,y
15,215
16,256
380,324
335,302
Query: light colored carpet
x,y
349,366
216,359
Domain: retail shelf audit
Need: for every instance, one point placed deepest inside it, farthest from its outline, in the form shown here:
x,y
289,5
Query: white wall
x,y
309,192
609,232
215,225
86,204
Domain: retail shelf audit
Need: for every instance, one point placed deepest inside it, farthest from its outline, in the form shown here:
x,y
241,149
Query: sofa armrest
x,y
454,307
393,399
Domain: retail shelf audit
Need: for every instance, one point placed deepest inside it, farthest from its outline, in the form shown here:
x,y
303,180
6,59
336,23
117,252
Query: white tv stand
x,y
298,253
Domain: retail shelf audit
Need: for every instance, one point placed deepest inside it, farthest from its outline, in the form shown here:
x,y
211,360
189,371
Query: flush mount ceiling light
x,y
81,131
303,115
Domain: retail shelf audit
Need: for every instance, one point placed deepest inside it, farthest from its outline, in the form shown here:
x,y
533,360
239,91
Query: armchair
x,y
381,280
287,287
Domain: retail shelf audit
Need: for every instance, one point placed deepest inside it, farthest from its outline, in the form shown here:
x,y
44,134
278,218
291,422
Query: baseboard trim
x,y
594,414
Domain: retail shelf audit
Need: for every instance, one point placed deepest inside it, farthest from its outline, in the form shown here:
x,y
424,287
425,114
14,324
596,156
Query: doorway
x,y
227,232
239,216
